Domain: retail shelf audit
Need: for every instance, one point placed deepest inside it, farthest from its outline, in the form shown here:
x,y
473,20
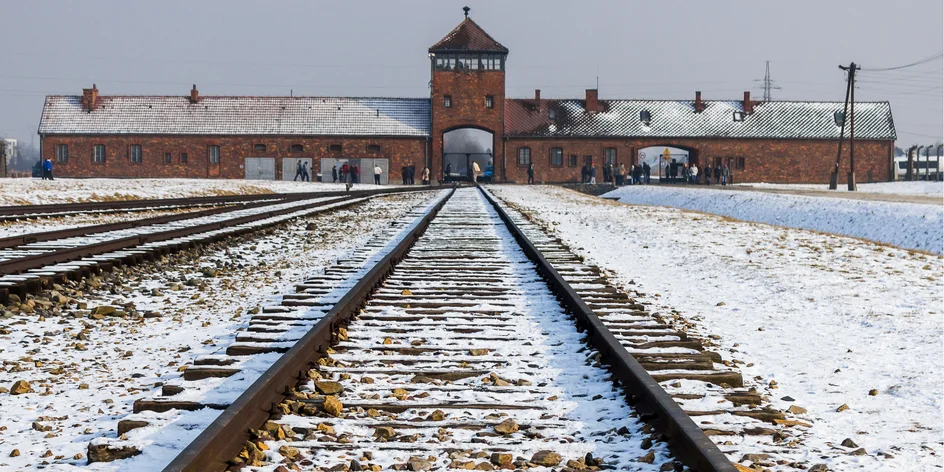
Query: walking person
x,y
425,176
694,179
725,173
298,171
717,173
475,171
707,172
531,173
334,174
345,172
637,175
306,177
377,172
47,169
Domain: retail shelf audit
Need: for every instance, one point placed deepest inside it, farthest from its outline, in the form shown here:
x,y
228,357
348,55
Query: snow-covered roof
x,y
677,119
64,114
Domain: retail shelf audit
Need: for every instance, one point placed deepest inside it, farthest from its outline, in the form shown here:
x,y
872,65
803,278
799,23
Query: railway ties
x,y
461,359
710,390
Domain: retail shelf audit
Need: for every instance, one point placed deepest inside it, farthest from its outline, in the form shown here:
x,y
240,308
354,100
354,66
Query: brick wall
x,y
468,90
765,160
233,150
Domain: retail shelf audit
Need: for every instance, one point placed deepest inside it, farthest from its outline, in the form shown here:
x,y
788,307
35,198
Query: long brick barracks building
x,y
195,136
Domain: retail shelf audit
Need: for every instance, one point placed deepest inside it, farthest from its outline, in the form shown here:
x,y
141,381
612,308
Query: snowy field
x,y
86,370
36,191
907,225
827,318
930,189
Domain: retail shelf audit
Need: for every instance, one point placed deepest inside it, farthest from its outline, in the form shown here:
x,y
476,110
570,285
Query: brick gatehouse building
x,y
230,137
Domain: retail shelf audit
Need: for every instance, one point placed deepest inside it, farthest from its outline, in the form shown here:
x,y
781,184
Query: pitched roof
x,y
468,36
677,119
63,114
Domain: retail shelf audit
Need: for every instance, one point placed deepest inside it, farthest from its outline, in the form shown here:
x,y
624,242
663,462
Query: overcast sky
x,y
655,49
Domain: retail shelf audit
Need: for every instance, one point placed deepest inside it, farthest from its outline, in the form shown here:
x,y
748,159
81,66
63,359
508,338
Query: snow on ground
x,y
36,191
829,318
898,188
40,225
85,373
907,225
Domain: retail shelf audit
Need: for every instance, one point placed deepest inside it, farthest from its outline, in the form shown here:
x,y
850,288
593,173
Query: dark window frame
x,y
374,148
739,163
213,157
489,101
610,160
296,148
136,154
335,148
62,153
95,156
168,158
573,161
258,148
524,156
447,101
557,152
183,158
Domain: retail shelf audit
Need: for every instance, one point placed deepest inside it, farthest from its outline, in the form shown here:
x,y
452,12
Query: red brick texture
x,y
765,160
467,89
233,150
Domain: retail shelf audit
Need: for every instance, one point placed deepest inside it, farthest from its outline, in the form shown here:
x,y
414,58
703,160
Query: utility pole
x,y
852,70
834,177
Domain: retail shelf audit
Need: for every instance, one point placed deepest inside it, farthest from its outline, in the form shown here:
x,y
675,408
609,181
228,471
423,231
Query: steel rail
x,y
686,440
214,448
59,209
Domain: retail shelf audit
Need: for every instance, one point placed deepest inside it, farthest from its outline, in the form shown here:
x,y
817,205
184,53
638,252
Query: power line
x,y
767,84
917,63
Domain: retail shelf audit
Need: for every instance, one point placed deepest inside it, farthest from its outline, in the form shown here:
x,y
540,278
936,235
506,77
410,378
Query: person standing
x,y
475,171
377,172
306,177
47,169
334,174
448,172
531,173
298,171
717,172
646,172
425,176
357,174
707,172
725,173
584,174
345,172
593,174
694,179
412,174
620,174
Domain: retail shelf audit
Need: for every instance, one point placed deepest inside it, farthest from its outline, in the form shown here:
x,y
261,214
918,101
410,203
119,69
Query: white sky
x,y
638,50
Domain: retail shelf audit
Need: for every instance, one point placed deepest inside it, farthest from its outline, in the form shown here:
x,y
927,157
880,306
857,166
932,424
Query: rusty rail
x,y
686,440
217,445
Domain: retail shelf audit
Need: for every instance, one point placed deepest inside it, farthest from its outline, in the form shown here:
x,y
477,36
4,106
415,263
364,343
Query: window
x,y
447,101
573,160
214,152
334,148
489,101
645,116
609,157
588,160
168,158
524,156
552,114
259,148
557,156
98,153
136,154
62,153
373,148
183,158
297,148
740,164
739,116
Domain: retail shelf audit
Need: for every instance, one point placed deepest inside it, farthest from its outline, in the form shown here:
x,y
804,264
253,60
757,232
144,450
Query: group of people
x,y
408,173
348,174
47,169
635,174
301,170
693,175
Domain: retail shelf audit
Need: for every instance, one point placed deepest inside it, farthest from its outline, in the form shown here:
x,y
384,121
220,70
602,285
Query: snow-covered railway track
x,y
708,389
457,356
31,262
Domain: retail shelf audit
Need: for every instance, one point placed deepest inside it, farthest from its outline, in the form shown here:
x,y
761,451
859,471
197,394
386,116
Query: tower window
x,y
489,101
447,101
524,156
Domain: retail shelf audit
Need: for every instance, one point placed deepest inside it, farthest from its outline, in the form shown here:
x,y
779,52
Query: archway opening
x,y
666,161
468,155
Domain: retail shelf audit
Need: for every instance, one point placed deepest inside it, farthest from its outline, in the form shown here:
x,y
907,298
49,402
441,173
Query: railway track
x,y
30,262
457,349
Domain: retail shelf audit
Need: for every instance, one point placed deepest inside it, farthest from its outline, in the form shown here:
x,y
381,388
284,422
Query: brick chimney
x,y
537,97
90,98
748,104
593,104
194,94
699,105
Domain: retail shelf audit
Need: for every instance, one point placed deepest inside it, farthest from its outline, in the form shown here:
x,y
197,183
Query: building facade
x,y
232,137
